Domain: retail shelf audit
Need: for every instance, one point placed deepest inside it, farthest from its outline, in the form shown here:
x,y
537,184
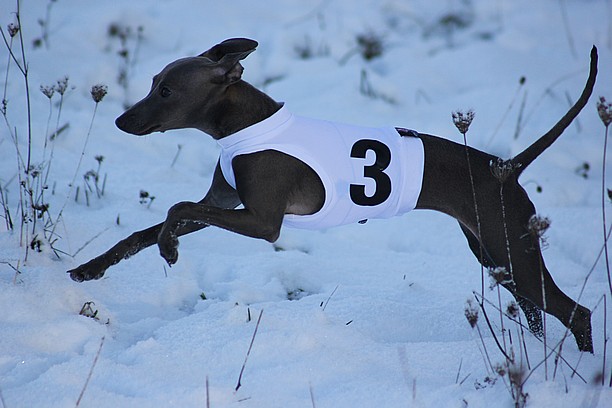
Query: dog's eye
x,y
165,92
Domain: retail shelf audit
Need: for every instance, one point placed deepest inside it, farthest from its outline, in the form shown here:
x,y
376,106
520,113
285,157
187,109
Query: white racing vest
x,y
366,172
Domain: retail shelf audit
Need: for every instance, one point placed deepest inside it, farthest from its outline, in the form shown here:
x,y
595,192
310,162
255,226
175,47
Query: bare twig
x,y
26,208
519,119
97,97
93,365
248,351
27,87
508,109
522,325
458,371
312,399
603,208
89,241
2,400
329,298
176,156
207,394
544,337
462,122
5,208
568,31
484,313
605,348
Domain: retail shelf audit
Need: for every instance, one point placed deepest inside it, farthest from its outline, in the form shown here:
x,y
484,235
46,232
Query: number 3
x,y
374,171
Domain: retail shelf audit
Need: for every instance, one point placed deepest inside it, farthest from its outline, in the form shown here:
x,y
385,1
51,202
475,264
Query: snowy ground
x,y
392,332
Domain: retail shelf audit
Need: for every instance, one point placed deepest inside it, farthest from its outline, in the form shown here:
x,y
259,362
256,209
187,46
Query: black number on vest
x,y
374,171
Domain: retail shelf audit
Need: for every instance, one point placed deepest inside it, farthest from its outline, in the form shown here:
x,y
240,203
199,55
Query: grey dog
x,y
206,92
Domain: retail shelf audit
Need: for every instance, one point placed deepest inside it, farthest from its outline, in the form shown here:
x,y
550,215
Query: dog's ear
x,y
228,76
225,57
235,49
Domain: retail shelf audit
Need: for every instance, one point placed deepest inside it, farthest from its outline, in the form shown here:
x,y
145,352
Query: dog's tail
x,y
524,159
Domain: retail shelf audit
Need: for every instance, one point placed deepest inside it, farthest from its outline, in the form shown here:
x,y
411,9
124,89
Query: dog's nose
x,y
123,121
120,121
136,124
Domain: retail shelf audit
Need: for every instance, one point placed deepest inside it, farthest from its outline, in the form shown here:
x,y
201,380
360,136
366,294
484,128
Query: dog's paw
x,y
168,247
93,269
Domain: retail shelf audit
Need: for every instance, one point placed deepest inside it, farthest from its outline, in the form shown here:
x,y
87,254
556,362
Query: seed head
x,y
516,374
502,169
500,369
98,92
13,29
512,310
499,276
62,85
47,90
370,45
463,120
471,313
145,196
604,109
537,226
90,175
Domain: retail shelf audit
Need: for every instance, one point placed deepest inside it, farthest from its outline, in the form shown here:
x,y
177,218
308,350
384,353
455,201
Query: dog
x,y
270,165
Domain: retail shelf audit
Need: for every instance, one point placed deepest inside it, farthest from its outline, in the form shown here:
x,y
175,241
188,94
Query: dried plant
x,y
129,39
537,227
512,310
500,276
604,109
463,120
98,92
471,313
44,24
502,169
370,45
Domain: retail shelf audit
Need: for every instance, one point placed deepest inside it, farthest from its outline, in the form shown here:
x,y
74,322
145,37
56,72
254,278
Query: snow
x,y
378,316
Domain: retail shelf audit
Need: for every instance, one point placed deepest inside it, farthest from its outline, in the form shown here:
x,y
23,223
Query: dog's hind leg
x,y
534,283
532,312
533,315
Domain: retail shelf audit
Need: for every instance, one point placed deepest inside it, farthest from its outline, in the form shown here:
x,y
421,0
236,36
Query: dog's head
x,y
187,88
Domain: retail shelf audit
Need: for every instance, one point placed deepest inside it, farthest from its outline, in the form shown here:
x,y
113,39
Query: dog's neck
x,y
241,106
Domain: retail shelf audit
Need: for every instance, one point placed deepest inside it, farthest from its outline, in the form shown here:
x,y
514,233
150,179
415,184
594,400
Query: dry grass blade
x,y
93,365
248,351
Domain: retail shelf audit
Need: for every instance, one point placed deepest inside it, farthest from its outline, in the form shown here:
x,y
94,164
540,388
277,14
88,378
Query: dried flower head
x,y
512,310
13,29
90,174
516,374
499,276
370,45
47,90
502,169
604,109
98,92
463,120
471,313
537,226
500,369
62,85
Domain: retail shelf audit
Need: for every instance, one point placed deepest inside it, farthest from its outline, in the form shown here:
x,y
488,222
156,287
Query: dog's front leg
x,y
95,268
243,221
220,194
